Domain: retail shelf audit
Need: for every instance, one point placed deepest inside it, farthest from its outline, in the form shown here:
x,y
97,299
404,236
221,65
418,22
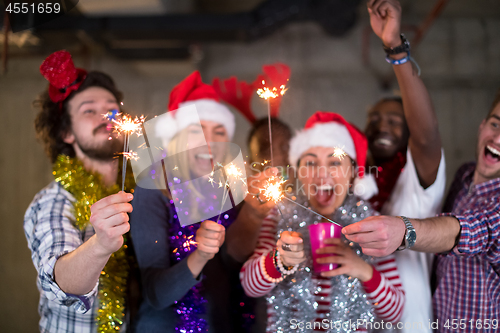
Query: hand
x,y
293,254
350,263
256,182
110,221
385,19
210,237
378,236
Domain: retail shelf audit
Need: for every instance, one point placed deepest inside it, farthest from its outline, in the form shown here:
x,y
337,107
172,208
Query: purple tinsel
x,y
191,306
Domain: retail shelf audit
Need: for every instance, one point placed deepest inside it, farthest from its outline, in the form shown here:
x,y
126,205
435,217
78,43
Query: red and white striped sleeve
x,y
254,271
385,290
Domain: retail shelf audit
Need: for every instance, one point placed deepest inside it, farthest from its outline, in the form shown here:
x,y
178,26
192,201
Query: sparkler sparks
x,y
131,155
272,92
339,152
268,93
272,191
126,125
187,244
232,170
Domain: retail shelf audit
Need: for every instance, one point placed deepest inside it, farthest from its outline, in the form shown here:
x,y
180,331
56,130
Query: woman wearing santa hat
x,y
190,273
361,289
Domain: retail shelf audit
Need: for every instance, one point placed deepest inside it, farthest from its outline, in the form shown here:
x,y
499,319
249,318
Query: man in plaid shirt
x,y
68,260
467,239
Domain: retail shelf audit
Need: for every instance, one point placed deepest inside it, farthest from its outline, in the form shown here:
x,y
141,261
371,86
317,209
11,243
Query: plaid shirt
x,y
469,276
51,233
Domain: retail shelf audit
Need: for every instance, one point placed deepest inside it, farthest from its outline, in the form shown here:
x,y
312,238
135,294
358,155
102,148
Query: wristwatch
x,y
410,235
404,47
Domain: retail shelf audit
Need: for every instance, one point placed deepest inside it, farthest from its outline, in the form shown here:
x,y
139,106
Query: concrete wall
x,y
460,65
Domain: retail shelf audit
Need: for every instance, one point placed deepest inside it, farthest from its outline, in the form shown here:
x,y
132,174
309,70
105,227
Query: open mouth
x,y
383,142
324,195
204,156
491,154
204,160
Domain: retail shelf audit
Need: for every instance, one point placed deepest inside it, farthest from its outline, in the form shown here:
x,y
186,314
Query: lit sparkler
x,y
233,173
339,152
131,155
268,93
127,126
273,92
273,191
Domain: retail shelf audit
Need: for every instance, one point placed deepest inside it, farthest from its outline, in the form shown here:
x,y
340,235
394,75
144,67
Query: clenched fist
x,y
210,237
109,217
291,248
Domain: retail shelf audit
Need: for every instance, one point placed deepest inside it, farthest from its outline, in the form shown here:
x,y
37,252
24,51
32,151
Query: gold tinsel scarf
x,y
87,189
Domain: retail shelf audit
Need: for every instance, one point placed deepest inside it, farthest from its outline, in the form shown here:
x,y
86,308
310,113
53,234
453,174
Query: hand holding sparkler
x,y
209,238
256,183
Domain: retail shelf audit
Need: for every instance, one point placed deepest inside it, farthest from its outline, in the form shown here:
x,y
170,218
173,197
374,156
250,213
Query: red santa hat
x,y
188,93
328,129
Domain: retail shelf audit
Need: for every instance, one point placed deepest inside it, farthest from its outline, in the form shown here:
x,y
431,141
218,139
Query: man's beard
x,y
106,151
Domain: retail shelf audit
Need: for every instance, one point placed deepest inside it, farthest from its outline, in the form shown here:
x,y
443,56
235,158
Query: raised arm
x,y
424,141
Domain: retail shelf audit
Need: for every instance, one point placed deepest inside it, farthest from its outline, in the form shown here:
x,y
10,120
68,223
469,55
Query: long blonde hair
x,y
175,149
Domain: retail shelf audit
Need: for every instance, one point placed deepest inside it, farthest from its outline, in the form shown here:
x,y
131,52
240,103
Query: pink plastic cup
x,y
317,234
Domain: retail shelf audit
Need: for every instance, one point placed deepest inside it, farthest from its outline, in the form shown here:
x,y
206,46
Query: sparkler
x,y
272,191
268,93
232,171
339,152
126,126
131,155
312,211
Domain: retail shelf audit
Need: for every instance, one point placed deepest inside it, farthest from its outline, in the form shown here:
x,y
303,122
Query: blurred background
x,y
148,46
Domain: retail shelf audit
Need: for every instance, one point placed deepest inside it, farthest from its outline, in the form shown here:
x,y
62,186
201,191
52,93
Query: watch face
x,y
411,237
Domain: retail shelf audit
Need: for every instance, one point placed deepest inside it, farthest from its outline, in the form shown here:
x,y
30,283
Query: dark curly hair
x,y
261,123
52,123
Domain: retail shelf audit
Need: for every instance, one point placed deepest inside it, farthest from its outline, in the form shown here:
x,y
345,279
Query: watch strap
x,y
404,47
